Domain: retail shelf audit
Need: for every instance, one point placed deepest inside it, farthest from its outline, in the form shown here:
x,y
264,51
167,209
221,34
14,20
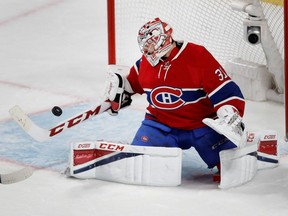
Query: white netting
x,y
211,23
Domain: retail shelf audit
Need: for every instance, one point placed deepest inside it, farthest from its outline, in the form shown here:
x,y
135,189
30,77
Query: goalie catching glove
x,y
230,115
229,123
118,91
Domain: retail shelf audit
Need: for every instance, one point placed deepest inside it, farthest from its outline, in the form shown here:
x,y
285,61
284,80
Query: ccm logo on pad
x,y
110,146
84,145
270,137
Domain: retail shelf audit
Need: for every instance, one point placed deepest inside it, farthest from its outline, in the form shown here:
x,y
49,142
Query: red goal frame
x,y
286,66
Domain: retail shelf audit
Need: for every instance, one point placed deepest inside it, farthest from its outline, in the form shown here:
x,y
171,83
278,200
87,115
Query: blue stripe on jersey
x,y
192,96
227,91
138,63
168,97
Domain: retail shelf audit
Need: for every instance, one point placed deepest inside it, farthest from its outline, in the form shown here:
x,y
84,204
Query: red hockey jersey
x,y
185,88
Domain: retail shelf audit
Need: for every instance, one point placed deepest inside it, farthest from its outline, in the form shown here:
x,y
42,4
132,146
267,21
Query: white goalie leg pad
x,y
267,153
268,150
238,166
154,166
81,155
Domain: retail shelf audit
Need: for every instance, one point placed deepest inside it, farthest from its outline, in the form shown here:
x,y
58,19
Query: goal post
x,y
218,25
286,65
111,31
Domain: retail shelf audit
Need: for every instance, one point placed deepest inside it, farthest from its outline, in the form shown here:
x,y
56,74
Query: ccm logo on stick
x,y
111,146
74,121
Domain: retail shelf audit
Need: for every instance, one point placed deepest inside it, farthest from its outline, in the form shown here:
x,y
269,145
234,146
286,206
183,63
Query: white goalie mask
x,y
155,40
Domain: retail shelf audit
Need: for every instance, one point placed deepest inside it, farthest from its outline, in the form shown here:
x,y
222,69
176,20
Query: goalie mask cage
x,y
213,24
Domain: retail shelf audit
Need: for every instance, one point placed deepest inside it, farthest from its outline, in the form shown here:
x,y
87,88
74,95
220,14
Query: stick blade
x,y
28,125
16,176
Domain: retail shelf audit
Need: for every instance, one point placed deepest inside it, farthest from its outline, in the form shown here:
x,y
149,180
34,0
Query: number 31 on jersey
x,y
222,75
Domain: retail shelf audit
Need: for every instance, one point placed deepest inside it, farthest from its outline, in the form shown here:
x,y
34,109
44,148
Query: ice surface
x,y
57,55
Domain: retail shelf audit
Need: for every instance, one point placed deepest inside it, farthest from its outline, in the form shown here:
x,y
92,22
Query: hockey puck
x,y
57,111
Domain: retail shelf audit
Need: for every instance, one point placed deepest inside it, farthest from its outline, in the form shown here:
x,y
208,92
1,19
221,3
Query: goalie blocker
x,y
160,166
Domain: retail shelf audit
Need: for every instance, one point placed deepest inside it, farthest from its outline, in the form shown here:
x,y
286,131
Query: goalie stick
x,y
16,176
41,134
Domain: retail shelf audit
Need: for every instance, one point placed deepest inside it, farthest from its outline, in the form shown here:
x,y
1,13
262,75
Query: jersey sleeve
x,y
133,78
221,89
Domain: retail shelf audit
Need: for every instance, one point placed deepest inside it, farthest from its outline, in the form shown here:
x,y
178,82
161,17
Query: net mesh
x,y
211,23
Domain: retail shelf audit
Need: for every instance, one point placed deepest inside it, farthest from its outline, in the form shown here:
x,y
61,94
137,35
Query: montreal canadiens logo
x,y
165,97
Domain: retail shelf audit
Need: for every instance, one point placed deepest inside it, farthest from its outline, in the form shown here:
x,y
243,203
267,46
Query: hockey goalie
x,y
193,103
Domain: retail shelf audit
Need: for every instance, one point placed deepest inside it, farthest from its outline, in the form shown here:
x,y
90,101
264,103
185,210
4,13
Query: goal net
x,y
210,23
213,24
